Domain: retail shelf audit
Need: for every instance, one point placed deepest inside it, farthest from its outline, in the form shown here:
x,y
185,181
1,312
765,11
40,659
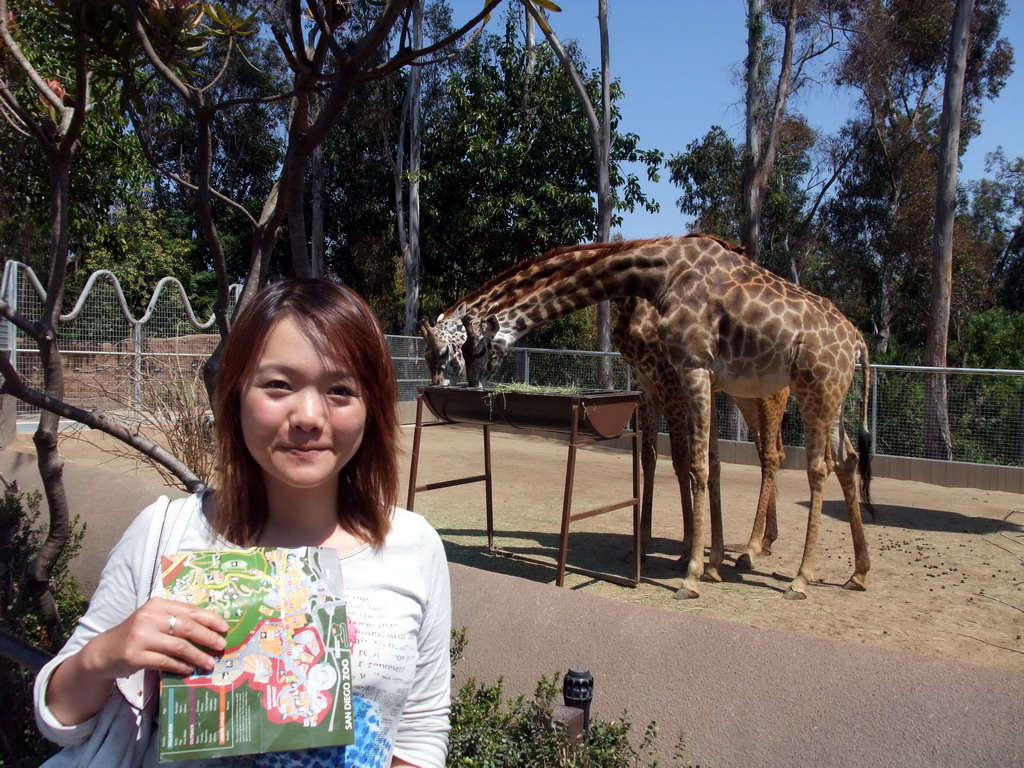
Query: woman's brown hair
x,y
341,325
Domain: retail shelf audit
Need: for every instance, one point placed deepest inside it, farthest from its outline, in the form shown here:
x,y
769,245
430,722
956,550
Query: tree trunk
x,y
751,177
49,460
317,246
605,202
412,253
938,443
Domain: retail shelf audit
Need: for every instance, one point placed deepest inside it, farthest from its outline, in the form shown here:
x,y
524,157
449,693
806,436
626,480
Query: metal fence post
x,y
874,401
12,299
137,336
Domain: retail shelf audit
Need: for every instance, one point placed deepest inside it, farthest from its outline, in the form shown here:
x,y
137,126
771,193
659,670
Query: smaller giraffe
x,y
443,351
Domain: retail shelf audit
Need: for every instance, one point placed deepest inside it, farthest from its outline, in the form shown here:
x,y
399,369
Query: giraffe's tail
x,y
865,442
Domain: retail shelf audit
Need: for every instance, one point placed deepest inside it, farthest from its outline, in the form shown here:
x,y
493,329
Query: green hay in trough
x,y
514,387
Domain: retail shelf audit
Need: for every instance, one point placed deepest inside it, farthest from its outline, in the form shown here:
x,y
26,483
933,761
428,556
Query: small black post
x,y
578,691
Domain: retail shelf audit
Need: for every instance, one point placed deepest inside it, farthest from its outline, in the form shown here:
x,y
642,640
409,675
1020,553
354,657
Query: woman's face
x,y
303,416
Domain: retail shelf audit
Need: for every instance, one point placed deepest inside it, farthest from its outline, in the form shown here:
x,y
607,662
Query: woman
x,y
306,432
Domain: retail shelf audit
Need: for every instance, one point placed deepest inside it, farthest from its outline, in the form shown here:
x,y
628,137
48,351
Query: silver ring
x,y
171,623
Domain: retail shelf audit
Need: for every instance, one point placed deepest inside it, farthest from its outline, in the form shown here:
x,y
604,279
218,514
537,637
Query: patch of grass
x,y
518,388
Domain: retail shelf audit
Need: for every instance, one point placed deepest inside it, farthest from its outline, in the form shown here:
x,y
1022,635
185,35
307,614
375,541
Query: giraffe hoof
x,y
685,593
744,563
766,549
711,575
792,594
856,584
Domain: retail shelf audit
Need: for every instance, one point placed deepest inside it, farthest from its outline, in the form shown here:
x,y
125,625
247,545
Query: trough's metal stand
x,y
568,517
570,476
414,466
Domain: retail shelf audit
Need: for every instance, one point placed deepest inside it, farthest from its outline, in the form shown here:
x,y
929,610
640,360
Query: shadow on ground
x,y
590,551
923,519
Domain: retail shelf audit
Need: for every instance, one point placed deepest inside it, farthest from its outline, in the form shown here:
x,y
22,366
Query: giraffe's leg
x,y
771,530
816,429
697,390
764,417
717,554
647,414
846,471
678,431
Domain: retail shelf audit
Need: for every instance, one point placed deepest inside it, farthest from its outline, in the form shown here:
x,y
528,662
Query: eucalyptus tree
x,y
997,220
772,76
599,130
112,171
894,58
938,443
711,173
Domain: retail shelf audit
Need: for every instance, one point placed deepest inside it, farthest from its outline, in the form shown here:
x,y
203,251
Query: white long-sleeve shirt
x,y
399,606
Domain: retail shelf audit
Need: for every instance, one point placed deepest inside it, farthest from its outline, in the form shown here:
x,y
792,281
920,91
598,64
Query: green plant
x,y
20,538
489,731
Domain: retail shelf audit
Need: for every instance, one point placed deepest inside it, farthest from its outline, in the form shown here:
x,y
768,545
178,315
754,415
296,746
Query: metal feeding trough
x,y
589,417
603,413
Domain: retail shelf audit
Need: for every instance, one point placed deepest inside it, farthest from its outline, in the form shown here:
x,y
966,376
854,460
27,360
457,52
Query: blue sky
x,y
679,62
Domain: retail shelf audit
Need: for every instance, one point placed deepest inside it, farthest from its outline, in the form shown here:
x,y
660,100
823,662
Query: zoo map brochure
x,y
284,681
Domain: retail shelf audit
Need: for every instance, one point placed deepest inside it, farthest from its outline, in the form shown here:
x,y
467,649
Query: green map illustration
x,y
284,681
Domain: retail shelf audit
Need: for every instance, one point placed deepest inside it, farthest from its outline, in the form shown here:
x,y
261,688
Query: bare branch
x,y
325,31
9,113
986,642
1000,546
147,152
223,67
1003,602
23,323
135,22
286,50
405,56
231,103
593,126
298,44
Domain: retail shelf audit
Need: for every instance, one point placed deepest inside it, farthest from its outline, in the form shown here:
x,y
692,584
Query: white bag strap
x,y
166,531
153,551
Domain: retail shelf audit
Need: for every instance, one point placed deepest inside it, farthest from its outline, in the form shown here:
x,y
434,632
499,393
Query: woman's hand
x,y
163,634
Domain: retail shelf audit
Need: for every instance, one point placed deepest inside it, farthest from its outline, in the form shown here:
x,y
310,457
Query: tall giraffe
x,y
724,323
635,336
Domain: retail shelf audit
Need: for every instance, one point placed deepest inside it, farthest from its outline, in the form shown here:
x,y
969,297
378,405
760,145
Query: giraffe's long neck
x,y
547,287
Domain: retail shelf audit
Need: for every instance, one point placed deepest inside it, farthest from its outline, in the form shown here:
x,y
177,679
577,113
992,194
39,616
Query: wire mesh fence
x,y
137,367
986,407
113,361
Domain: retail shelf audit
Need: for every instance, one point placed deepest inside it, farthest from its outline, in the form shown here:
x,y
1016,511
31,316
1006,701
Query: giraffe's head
x,y
483,350
443,352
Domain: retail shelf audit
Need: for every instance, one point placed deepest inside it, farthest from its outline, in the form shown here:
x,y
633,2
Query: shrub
x,y
490,732
20,538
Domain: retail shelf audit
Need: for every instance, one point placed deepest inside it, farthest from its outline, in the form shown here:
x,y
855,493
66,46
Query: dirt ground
x,y
947,565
